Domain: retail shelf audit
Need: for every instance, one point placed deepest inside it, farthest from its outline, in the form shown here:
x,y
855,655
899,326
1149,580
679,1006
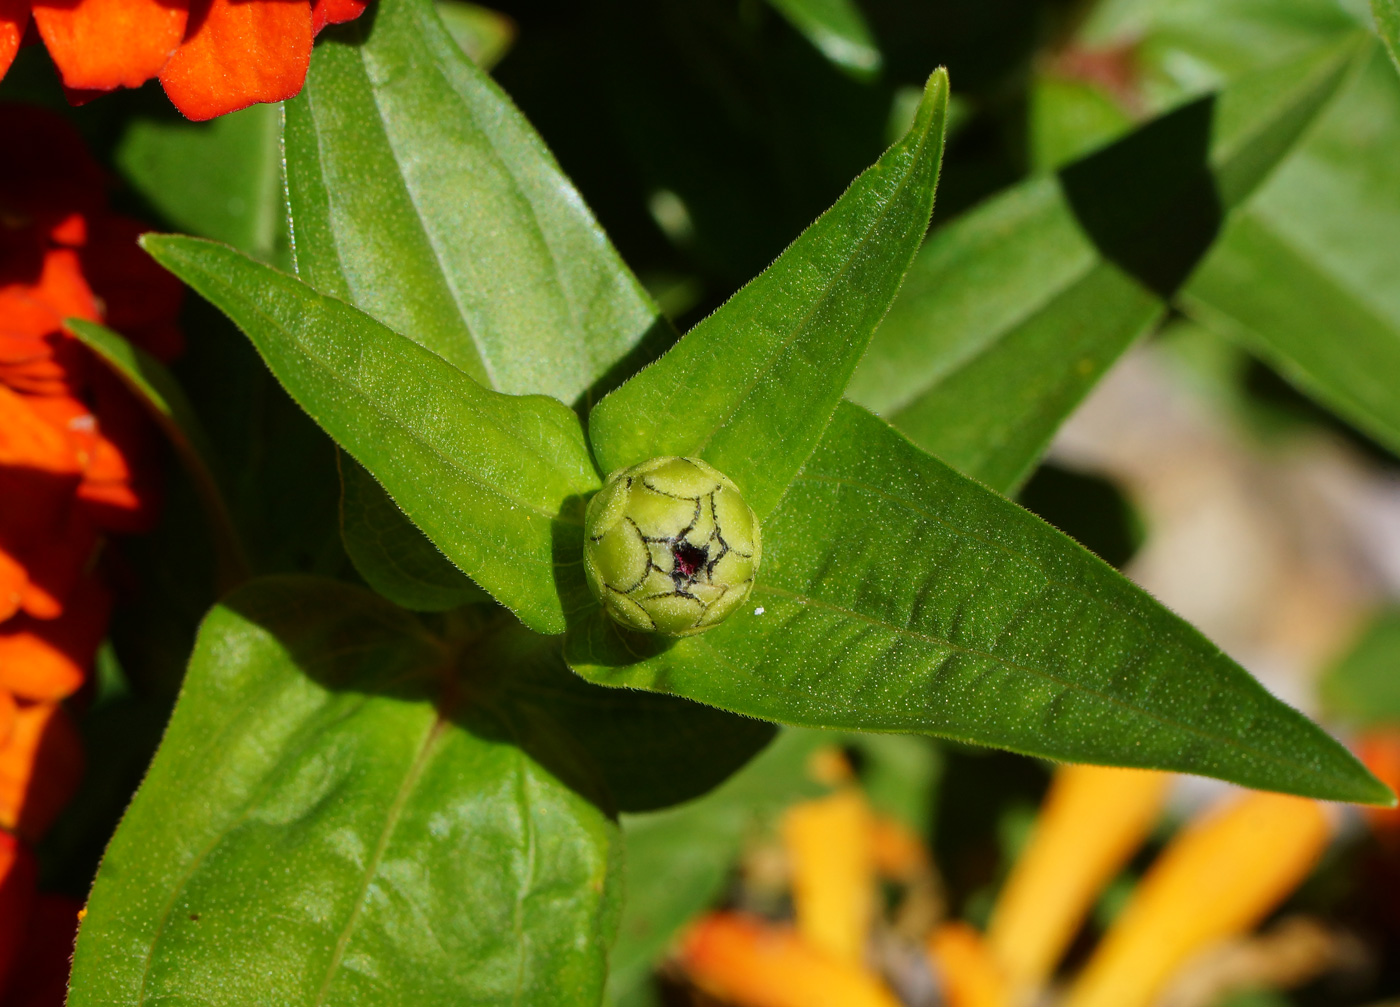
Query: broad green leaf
x,y
677,860
335,817
1305,277
1387,15
897,595
420,194
837,29
495,481
391,554
1012,313
1362,688
219,179
751,387
163,397
483,34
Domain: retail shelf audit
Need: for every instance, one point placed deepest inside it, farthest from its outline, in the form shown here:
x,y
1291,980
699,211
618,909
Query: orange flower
x,y
749,963
212,56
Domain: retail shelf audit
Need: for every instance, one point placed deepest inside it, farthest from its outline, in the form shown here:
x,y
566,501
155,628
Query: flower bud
x,y
670,547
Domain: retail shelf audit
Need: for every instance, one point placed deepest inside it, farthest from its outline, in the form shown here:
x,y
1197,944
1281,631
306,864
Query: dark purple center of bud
x,y
689,558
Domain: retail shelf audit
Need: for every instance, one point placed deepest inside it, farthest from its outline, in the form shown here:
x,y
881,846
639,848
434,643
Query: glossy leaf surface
x,y
420,194
1012,313
335,817
897,595
750,388
494,480
163,397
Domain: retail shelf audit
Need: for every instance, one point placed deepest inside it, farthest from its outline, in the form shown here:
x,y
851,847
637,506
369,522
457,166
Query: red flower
x,y
212,56
77,463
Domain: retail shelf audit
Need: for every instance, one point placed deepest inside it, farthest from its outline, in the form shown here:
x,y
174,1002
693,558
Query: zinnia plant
x,y
553,521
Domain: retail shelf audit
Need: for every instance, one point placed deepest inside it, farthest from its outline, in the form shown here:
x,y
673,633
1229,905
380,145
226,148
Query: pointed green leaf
x,y
897,595
420,194
1387,15
391,554
1013,312
496,481
331,820
838,30
163,397
751,387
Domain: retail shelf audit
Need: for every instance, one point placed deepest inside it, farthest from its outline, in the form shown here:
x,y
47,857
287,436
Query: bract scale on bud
x,y
671,547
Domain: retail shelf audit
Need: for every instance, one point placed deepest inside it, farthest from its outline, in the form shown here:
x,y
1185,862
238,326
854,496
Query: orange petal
x,y
744,962
47,659
14,18
9,710
1092,822
971,976
18,875
324,12
240,52
828,842
40,766
104,44
1380,750
1216,880
898,851
13,579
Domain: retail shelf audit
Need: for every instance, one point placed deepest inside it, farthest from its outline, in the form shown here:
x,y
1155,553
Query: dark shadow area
x,y
981,787
1088,508
1149,202
1274,393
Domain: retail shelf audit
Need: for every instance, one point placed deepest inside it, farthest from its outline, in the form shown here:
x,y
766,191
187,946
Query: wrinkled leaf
x,y
335,817
420,194
1013,312
838,30
163,397
496,481
751,387
897,595
391,554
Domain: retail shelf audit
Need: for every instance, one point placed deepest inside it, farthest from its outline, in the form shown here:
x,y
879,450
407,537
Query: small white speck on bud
x,y
758,611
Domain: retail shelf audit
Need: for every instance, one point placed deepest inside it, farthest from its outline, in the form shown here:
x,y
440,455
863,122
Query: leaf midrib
x,y
426,749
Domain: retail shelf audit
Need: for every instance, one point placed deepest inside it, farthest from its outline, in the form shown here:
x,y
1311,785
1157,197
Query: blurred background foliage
x,y
1240,464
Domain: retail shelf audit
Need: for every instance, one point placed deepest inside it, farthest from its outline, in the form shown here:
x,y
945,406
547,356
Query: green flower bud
x,y
670,546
